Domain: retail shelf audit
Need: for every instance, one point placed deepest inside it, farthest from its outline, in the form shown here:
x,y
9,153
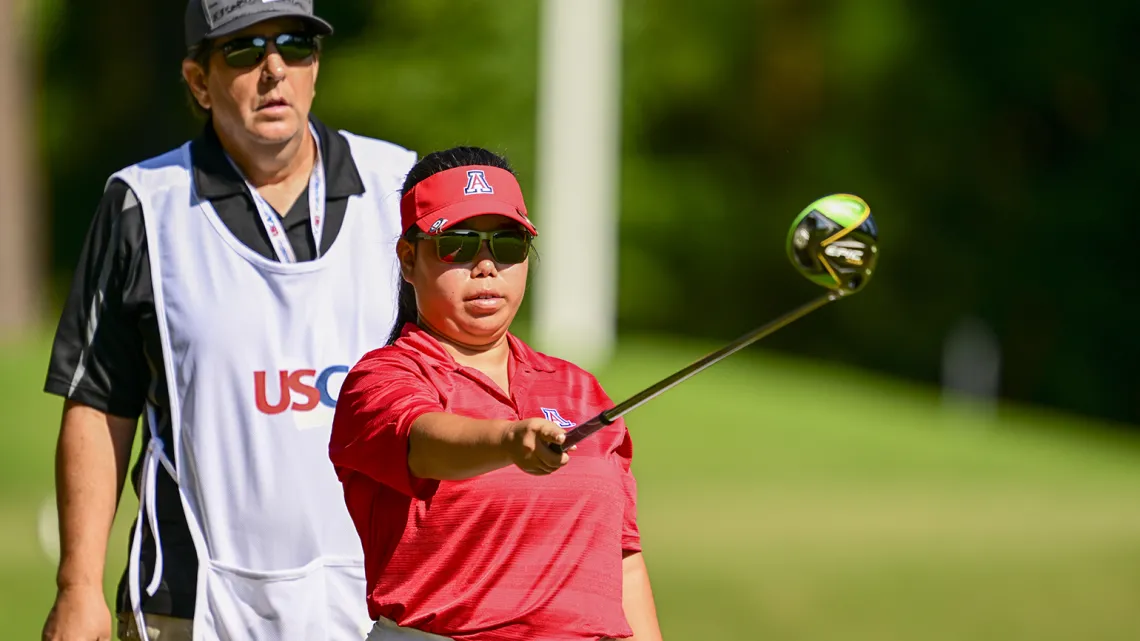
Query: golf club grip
x,y
577,434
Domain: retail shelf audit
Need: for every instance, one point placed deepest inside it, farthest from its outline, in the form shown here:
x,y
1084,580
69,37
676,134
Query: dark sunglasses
x,y
246,52
508,247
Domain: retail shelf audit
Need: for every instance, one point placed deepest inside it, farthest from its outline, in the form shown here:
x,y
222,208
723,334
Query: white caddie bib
x,y
255,352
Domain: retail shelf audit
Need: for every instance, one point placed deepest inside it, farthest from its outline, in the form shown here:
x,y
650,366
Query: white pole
x,y
578,150
971,369
20,289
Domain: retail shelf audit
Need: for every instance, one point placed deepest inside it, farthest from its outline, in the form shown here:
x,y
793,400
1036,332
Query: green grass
x,y
788,500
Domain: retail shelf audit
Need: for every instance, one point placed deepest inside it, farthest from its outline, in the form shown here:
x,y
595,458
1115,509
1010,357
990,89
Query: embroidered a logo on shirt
x,y
553,416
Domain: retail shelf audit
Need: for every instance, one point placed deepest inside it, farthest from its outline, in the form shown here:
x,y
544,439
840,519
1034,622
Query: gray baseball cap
x,y
215,18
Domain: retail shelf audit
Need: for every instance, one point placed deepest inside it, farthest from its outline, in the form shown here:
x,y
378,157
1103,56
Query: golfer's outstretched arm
x,y
391,426
90,468
450,448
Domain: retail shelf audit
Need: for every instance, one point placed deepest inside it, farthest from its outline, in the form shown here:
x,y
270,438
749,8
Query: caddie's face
x,y
267,101
471,303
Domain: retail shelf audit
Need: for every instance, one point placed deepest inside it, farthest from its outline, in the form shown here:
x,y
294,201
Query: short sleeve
x,y
630,535
97,357
623,454
380,399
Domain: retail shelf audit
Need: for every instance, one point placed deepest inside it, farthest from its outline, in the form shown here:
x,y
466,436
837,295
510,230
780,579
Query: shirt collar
x,y
433,352
215,177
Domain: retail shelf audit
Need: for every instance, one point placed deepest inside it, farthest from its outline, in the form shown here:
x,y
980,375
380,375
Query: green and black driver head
x,y
833,242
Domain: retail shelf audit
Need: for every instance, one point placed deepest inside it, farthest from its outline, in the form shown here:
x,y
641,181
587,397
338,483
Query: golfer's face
x,y
270,100
474,302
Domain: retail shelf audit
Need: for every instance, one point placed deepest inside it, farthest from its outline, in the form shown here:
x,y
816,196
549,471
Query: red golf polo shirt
x,y
504,555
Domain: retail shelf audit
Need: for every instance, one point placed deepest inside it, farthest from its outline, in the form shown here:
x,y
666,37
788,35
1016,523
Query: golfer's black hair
x,y
430,165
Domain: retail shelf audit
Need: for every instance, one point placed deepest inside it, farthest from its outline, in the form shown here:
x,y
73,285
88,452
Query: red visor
x,y
454,195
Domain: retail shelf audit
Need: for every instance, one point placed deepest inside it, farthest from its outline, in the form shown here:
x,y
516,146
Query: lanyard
x,y
274,228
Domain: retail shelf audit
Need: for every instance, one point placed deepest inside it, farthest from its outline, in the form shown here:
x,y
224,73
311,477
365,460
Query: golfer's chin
x,y
484,330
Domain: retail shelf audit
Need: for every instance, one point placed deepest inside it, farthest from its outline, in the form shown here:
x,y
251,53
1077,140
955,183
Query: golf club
x,y
833,242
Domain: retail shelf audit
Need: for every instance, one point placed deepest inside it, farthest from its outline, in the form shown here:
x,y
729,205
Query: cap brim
x,y
458,212
318,26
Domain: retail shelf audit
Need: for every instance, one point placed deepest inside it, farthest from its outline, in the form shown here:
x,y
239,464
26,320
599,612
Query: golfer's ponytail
x,y
406,311
429,165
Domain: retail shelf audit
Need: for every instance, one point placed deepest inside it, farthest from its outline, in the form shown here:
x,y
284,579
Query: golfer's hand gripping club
x,y
576,434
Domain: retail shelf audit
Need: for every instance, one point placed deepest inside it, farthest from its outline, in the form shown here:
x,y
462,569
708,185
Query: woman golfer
x,y
472,527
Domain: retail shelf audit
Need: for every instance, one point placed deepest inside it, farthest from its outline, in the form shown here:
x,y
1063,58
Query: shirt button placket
x,y
518,391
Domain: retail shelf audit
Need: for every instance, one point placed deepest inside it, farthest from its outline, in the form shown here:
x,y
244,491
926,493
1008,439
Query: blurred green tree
x,y
994,142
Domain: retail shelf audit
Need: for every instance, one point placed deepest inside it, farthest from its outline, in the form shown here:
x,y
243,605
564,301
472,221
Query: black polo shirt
x,y
107,353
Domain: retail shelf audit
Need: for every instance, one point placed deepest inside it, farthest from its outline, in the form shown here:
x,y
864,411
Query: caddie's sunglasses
x,y
241,53
508,247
